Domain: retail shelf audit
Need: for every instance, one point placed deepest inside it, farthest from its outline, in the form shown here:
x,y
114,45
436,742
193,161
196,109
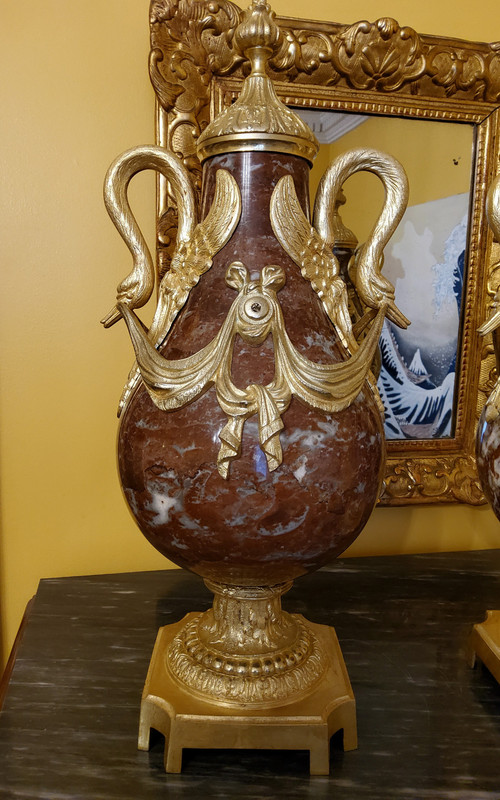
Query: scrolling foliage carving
x,y
366,67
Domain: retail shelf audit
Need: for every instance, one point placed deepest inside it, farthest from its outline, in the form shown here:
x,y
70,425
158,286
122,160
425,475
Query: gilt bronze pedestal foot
x,y
484,643
294,696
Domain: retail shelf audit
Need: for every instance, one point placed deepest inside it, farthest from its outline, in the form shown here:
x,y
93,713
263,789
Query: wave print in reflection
x,y
414,407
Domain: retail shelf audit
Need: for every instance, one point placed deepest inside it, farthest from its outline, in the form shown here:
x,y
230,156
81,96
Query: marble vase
x,y
251,442
257,527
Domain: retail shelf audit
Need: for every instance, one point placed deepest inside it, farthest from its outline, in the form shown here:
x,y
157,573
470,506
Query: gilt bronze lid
x,y
258,120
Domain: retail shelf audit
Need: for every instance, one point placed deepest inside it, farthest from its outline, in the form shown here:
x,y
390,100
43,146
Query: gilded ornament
x,y
446,479
310,246
136,289
196,244
258,120
246,650
259,681
313,255
254,315
380,55
372,287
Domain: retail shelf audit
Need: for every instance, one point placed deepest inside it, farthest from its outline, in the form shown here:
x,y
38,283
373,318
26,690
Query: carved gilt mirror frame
x,y
371,68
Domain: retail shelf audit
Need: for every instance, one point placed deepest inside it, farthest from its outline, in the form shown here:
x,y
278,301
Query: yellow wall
x,y
75,93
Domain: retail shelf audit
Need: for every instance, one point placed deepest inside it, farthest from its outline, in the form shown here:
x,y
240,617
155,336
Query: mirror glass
x,y
426,259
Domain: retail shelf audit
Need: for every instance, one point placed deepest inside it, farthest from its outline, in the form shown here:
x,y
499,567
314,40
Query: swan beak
x,y
395,315
113,316
490,324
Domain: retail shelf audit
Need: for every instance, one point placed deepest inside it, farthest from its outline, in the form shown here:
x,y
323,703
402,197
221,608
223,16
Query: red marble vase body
x,y
256,527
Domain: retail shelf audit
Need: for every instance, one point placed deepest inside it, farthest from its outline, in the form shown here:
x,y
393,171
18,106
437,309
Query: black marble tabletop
x,y
428,725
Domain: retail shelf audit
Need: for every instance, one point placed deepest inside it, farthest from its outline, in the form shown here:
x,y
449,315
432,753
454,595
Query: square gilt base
x,y
484,643
305,724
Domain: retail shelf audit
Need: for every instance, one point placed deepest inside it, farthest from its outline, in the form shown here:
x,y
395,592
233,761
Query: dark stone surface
x,y
255,527
429,726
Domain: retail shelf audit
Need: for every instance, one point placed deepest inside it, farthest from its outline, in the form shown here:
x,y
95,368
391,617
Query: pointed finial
x,y
258,120
257,37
